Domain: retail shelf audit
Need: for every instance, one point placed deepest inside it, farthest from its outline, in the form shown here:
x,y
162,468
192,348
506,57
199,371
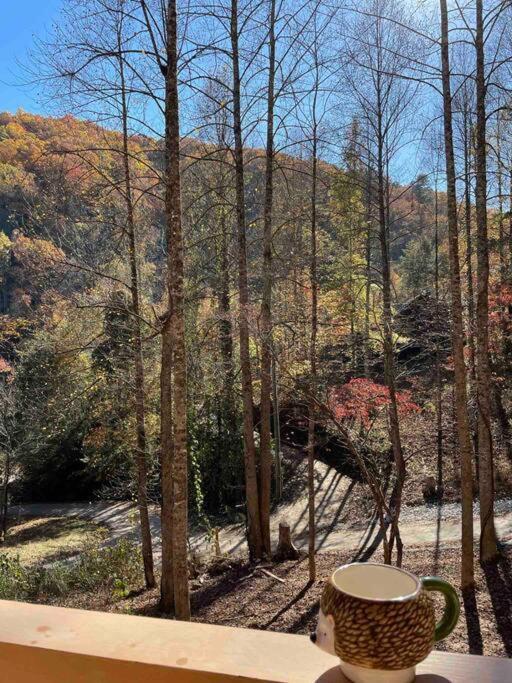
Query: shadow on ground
x,y
499,583
41,530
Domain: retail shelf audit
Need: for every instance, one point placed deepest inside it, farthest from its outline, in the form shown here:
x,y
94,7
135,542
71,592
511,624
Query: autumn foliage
x,y
362,400
500,314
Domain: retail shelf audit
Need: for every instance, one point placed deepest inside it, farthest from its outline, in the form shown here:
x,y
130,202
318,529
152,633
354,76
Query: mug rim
x,y
401,598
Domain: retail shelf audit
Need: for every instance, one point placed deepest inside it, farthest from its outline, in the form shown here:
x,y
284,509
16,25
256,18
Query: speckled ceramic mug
x,y
379,620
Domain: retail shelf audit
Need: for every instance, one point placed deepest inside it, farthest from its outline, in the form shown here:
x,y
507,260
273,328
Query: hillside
x,y
65,281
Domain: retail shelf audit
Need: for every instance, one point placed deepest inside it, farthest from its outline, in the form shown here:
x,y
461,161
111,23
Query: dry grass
x,y
43,540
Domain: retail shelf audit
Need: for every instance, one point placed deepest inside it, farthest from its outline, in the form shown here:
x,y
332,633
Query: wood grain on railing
x,y
40,644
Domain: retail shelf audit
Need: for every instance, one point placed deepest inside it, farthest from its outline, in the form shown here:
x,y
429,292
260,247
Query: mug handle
x,y
451,602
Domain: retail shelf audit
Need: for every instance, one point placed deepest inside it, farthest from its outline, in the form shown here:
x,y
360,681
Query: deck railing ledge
x,y
42,644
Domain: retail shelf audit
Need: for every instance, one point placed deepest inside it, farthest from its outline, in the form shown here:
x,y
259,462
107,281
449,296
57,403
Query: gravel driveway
x,y
419,524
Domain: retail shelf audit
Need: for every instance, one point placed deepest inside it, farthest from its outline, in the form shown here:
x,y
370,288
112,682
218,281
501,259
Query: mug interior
x,y
375,582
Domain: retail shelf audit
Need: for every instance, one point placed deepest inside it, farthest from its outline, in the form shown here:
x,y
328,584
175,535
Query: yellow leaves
x,y
12,328
36,254
28,143
346,196
96,438
13,177
5,246
8,151
18,145
396,280
333,314
14,130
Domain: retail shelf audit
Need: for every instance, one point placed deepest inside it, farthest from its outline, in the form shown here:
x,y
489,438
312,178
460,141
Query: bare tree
x,y
90,67
460,389
488,549
254,534
140,411
266,300
376,73
174,453
314,134
463,105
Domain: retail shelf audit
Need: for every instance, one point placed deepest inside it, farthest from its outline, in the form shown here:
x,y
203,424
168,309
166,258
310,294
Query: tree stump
x,y
428,489
285,548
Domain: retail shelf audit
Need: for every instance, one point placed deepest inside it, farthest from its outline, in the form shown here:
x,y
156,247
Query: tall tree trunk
x,y
509,273
227,414
469,245
501,369
389,364
501,217
488,548
277,428
166,458
368,268
225,324
5,497
266,301
175,327
353,301
439,385
367,302
140,410
312,362
460,388
254,539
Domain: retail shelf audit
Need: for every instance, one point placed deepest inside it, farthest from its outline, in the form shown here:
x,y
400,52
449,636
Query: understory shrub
x,y
16,581
117,568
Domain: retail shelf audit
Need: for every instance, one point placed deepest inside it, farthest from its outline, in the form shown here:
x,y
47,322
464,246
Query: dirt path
x,y
340,525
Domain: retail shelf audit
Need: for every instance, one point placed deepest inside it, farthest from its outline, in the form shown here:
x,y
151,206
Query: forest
x,y
253,243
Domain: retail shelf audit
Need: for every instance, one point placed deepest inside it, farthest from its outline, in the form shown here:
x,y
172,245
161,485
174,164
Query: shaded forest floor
x,y
233,593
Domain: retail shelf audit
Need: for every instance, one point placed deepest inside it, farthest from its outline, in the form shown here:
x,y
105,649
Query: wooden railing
x,y
40,644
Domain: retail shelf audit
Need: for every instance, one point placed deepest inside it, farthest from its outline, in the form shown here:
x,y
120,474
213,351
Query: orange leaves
x,y
69,159
361,399
34,262
5,368
500,297
8,151
11,329
36,254
500,315
18,145
96,438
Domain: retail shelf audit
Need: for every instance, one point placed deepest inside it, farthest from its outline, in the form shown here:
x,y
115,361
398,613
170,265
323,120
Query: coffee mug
x,y
379,620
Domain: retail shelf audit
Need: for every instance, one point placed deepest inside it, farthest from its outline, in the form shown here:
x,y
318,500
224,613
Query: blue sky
x,y
20,20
